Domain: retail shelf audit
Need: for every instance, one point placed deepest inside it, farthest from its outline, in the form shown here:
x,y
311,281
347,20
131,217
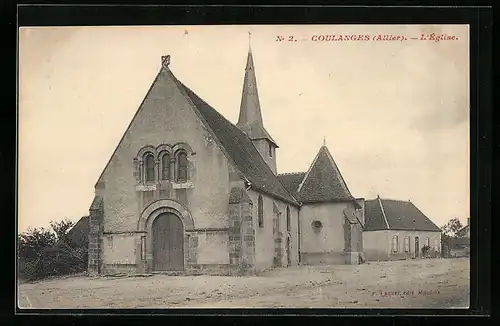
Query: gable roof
x,y
291,181
323,181
240,148
384,214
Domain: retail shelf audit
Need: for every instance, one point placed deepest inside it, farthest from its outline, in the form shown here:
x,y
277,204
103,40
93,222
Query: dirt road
x,y
436,283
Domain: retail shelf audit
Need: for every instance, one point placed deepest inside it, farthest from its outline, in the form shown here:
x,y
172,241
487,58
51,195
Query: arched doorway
x,y
168,243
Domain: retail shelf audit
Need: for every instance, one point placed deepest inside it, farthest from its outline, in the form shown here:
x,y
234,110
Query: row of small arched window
x,y
260,214
179,161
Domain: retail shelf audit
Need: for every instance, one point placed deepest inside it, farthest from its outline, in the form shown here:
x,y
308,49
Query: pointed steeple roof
x,y
250,119
323,181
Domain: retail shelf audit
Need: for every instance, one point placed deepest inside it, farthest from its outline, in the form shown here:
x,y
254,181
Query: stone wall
x,y
242,232
166,121
277,235
266,246
327,243
95,236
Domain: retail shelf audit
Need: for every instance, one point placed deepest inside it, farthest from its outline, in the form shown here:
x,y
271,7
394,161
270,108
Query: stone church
x,y
187,191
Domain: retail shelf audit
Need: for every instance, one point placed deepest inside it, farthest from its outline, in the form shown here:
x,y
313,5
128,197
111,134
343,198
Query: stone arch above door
x,y
165,206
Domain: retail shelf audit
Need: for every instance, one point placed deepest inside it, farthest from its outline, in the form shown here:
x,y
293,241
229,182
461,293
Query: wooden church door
x,y
168,243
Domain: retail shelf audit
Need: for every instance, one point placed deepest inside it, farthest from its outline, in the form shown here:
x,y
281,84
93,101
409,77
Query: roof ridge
x,y
389,199
250,142
383,212
336,167
217,112
398,200
334,188
291,173
308,171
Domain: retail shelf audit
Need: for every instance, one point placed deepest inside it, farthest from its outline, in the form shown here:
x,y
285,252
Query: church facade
x,y
187,191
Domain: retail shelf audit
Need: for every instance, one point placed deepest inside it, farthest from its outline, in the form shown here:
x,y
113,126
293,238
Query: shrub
x,y
44,252
426,251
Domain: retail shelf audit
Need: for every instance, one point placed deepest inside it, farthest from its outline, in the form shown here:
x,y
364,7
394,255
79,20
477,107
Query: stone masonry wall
x,y
241,232
95,236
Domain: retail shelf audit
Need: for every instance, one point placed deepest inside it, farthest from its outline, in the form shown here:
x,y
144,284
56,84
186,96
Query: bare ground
x,y
433,283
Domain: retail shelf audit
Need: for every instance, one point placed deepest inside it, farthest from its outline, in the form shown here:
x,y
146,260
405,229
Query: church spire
x,y
250,119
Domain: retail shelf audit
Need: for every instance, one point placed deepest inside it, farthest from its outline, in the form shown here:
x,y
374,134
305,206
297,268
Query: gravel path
x,y
436,283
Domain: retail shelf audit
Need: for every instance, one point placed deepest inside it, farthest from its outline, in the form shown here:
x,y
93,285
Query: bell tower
x,y
250,119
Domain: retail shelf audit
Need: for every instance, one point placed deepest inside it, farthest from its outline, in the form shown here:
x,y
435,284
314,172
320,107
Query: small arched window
x,y
288,222
395,245
182,164
260,211
165,166
407,244
149,164
427,242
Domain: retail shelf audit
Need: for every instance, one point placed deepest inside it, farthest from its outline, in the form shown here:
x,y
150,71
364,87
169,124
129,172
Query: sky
x,y
394,114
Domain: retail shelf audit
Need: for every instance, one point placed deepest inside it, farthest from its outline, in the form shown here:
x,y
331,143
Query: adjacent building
x,y
396,229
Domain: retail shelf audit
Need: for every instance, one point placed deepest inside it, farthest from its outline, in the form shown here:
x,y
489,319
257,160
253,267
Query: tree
x,y
33,241
39,256
32,244
61,229
452,227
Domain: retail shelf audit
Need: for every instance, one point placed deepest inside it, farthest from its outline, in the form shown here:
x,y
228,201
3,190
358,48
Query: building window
x,y
260,211
407,244
270,150
395,245
182,166
165,166
150,168
143,248
427,242
288,222
436,244
316,225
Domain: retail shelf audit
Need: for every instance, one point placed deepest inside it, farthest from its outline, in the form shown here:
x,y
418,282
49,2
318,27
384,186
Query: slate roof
x,y
374,219
291,181
323,182
240,149
250,119
383,214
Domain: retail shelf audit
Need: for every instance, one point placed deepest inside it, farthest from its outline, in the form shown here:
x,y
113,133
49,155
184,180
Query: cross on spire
x,y
324,140
165,60
249,40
